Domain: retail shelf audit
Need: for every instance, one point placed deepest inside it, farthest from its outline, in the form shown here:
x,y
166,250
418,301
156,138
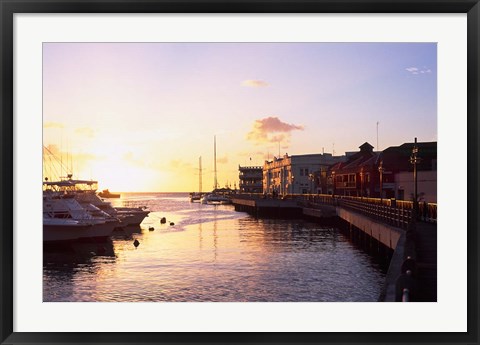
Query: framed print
x,y
244,172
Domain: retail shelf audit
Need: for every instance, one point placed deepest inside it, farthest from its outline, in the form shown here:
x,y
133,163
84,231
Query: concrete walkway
x,y
426,250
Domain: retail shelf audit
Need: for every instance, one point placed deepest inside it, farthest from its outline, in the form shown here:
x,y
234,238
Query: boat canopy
x,y
69,183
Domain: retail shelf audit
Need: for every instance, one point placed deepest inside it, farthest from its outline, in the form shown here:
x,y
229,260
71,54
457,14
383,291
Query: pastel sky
x,y
137,116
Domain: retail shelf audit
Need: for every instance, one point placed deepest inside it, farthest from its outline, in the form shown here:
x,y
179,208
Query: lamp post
x,y
311,178
414,159
380,170
333,182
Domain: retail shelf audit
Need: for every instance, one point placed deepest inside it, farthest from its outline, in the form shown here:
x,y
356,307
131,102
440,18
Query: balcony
x,y
252,176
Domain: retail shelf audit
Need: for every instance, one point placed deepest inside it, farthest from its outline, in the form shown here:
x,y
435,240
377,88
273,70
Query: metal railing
x,y
392,211
427,212
398,217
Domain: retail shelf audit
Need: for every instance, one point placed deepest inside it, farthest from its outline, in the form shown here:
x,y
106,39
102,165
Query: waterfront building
x,y
399,172
250,179
387,174
296,174
357,176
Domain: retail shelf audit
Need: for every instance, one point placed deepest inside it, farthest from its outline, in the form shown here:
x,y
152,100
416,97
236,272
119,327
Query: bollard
x,y
409,264
405,282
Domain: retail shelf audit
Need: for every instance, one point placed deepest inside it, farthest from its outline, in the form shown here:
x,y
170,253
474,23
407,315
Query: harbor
x,y
215,172
399,236
212,253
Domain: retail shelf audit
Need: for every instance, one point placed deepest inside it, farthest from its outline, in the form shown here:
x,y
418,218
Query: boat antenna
x,y
200,174
215,182
61,154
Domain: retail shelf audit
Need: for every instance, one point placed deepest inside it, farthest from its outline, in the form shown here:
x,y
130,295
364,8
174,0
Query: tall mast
x,y
215,183
200,174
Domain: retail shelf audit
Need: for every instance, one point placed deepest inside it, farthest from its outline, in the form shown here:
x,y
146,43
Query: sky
x,y
137,116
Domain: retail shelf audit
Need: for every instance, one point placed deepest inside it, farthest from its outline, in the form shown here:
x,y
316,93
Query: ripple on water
x,y
213,253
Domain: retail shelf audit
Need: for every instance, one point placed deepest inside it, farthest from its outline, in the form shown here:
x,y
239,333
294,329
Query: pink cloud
x,y
272,129
255,83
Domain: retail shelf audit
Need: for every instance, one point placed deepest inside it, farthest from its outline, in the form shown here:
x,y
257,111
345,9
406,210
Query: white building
x,y
426,185
295,174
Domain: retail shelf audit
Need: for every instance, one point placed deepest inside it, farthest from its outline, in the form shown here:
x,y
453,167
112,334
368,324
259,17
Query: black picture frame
x,y
10,7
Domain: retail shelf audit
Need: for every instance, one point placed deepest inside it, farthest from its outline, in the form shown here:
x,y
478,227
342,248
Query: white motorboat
x,y
214,198
56,229
132,215
84,191
65,219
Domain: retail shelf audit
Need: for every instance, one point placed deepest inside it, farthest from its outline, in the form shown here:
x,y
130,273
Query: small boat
x,y
195,197
106,194
214,198
198,196
218,195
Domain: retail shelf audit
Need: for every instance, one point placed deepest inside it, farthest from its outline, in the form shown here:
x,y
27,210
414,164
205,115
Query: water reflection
x,y
215,254
66,264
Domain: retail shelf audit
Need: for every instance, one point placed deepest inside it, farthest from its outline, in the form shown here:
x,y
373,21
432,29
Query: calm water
x,y
212,253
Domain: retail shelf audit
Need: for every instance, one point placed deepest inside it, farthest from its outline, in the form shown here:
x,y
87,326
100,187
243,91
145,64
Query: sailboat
x,y
198,196
217,196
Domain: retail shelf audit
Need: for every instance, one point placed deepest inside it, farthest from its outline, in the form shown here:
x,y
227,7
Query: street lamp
x,y
381,170
333,182
311,178
414,159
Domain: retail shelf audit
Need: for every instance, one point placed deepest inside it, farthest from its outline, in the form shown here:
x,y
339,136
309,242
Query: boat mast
x,y
200,174
215,183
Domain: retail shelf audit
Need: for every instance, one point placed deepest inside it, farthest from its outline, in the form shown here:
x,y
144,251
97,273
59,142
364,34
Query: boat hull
x,y
132,217
57,232
73,232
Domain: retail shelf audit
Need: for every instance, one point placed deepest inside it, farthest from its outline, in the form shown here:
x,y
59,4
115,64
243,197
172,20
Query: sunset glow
x,y
136,117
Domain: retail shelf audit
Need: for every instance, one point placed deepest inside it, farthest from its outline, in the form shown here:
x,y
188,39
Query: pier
x,y
261,207
391,229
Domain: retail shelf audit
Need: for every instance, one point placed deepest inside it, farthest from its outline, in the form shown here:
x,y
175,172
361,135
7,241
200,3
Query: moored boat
x,y
107,194
218,195
214,198
64,219
132,215
83,192
195,197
